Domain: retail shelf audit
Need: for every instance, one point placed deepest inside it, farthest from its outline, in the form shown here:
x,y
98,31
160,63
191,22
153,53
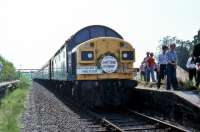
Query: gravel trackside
x,y
45,113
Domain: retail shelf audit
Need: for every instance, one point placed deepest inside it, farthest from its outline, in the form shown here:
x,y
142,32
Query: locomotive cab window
x,y
87,55
127,55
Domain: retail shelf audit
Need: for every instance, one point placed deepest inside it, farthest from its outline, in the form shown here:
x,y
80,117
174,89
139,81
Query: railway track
x,y
128,121
104,121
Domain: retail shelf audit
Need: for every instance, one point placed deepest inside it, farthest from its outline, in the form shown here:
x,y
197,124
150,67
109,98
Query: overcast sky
x,y
32,30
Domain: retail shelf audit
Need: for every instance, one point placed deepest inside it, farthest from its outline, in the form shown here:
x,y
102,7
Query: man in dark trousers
x,y
162,63
171,68
198,71
196,53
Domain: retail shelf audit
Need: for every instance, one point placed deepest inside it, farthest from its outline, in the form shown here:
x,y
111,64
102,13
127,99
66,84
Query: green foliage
x,y
183,49
25,81
12,105
187,85
182,54
8,72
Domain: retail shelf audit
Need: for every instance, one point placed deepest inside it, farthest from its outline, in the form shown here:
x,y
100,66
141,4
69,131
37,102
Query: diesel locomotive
x,y
94,67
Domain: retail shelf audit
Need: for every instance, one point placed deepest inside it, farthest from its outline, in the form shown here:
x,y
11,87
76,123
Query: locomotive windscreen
x,y
91,32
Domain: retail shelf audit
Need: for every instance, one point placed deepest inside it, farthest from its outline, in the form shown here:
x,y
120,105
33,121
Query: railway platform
x,y
192,97
182,107
4,86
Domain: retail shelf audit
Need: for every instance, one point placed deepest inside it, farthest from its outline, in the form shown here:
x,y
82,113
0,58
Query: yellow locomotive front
x,y
105,58
104,71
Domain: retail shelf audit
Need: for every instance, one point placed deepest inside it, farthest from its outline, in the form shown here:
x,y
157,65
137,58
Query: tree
x,y
182,55
8,72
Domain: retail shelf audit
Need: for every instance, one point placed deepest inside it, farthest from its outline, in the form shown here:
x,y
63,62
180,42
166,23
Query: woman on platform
x,y
191,67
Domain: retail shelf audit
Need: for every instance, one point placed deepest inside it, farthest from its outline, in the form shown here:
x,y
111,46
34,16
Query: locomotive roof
x,y
90,32
113,38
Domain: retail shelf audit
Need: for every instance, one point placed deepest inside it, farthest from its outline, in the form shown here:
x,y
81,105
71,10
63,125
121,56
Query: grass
x,y
11,107
187,85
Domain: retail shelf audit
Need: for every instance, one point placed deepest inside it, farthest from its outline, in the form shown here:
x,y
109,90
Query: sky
x,y
31,31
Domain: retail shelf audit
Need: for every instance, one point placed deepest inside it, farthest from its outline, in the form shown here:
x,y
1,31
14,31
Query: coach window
x,y
59,57
63,54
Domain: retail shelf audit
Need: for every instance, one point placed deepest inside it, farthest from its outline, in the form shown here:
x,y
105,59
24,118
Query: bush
x,y
8,71
25,81
187,85
12,105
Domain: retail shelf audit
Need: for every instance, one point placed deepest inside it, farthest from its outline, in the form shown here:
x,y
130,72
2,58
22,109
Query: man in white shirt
x,y
171,67
162,62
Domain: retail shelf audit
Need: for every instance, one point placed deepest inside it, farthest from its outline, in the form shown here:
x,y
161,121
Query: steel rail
x,y
175,128
111,126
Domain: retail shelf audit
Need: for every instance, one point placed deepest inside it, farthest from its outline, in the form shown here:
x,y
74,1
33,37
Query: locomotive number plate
x,y
88,70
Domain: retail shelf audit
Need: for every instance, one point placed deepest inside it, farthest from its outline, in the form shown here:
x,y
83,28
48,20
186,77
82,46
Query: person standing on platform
x,y
191,68
162,64
198,71
142,71
171,67
146,78
151,65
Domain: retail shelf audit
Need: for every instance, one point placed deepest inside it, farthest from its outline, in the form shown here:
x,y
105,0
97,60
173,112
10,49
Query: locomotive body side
x,y
59,65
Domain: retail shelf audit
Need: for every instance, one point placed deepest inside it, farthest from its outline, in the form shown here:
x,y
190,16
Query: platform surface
x,y
190,96
6,83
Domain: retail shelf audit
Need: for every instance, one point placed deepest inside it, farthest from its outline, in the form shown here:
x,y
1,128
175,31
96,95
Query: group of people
x,y
193,66
164,68
148,67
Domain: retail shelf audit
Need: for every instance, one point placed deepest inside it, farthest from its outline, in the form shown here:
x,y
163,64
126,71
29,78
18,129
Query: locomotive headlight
x,y
87,55
127,55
